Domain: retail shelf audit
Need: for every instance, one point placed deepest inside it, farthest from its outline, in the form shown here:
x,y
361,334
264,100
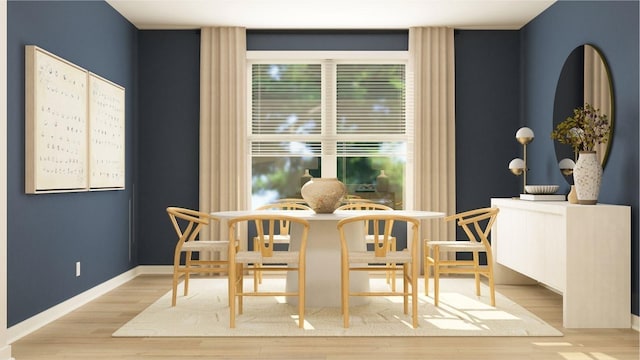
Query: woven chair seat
x,y
369,257
205,245
279,257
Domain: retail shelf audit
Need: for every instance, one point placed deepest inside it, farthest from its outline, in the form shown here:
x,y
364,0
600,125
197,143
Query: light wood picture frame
x,y
74,127
55,123
107,134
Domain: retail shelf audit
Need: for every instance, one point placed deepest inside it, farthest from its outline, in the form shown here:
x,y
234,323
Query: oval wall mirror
x,y
584,79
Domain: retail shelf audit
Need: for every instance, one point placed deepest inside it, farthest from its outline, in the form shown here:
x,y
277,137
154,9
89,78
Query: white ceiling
x,y
330,14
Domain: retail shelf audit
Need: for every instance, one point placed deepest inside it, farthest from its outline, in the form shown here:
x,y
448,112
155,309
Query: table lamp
x,y
518,166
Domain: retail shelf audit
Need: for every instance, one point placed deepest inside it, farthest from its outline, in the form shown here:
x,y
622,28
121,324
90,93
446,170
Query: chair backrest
x,y
365,205
187,223
267,226
284,225
476,224
349,199
292,200
381,226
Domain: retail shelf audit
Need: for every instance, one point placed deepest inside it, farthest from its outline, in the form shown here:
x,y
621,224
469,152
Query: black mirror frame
x,y
560,113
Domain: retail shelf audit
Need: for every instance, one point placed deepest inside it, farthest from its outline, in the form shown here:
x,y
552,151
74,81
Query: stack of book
x,y
543,197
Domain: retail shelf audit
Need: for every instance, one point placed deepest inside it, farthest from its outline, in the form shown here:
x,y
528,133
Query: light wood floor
x,y
86,334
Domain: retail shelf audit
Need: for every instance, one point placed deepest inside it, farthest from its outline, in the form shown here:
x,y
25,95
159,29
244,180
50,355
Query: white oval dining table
x,y
323,252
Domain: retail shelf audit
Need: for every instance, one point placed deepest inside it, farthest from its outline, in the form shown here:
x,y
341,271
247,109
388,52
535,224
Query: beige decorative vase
x,y
572,197
382,182
587,175
323,194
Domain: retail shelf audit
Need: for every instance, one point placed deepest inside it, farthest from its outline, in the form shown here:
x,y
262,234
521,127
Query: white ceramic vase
x,y
587,176
323,194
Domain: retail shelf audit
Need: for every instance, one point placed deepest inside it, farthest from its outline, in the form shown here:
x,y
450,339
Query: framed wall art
x,y
56,123
106,134
74,127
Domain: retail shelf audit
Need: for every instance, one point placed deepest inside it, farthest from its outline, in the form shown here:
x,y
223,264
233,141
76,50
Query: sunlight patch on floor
x,y
601,356
460,301
492,315
306,326
585,356
453,324
552,343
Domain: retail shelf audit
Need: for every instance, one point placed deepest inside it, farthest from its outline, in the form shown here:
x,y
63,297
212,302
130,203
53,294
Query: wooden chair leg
x,y
426,265
240,277
187,272
230,285
301,296
232,296
256,277
414,294
405,286
476,271
345,295
436,275
174,293
426,277
393,266
257,274
492,286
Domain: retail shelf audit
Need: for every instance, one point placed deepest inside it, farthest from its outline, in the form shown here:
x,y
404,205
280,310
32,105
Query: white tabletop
x,y
336,215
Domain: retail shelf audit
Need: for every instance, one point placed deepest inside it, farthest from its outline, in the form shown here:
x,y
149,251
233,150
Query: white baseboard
x,y
37,321
155,270
34,323
5,353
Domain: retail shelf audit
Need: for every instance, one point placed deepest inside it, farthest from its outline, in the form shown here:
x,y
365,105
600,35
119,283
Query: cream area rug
x,y
204,312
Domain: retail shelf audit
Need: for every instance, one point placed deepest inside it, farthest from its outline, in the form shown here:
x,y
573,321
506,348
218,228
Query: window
x,y
343,118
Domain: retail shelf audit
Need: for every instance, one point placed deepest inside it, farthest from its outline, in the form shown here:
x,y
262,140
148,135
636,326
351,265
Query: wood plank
x,y
86,334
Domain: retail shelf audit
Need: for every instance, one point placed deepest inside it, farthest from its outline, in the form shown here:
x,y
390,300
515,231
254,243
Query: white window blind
x,y
285,99
350,109
370,99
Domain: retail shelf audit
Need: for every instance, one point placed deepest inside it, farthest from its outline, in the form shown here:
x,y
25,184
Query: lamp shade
x,y
566,164
516,166
516,163
524,135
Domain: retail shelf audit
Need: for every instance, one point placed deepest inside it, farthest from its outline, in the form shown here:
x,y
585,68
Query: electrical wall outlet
x,y
77,268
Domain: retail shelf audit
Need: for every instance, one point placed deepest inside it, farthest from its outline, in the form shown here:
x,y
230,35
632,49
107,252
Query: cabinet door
x,y
514,246
550,235
533,243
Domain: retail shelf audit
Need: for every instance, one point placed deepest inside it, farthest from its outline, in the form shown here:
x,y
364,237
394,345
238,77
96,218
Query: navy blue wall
x,y
612,27
487,113
48,233
330,40
168,174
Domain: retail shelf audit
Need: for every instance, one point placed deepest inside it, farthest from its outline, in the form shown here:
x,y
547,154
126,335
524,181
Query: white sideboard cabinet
x,y
581,251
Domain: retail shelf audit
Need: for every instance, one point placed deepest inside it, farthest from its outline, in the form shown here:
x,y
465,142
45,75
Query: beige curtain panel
x,y
223,158
431,62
